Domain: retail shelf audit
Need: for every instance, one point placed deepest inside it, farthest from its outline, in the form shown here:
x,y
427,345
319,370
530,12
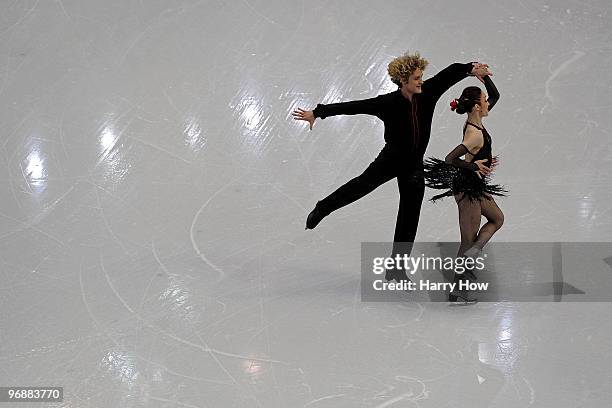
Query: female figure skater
x,y
469,180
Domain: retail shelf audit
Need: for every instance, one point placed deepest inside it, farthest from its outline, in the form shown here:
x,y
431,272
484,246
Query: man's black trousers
x,y
388,164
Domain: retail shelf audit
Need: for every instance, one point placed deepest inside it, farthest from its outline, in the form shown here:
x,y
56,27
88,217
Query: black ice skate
x,y
315,217
397,275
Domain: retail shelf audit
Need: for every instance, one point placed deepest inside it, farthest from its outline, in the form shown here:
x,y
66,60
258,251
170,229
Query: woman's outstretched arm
x,y
491,90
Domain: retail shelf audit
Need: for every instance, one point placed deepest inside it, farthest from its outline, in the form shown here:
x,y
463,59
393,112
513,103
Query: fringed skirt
x,y
442,176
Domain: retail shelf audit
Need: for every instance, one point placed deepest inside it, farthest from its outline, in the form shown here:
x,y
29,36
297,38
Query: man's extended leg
x,y
378,172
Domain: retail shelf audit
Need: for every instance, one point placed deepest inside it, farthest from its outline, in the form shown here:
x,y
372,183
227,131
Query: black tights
x,y
469,222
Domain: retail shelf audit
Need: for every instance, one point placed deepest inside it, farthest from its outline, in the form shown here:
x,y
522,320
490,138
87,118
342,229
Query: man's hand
x,y
480,70
301,114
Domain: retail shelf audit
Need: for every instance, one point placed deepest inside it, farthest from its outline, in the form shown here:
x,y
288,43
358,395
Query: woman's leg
x,y
495,219
469,221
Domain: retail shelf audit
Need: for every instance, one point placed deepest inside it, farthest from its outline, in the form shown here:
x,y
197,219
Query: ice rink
x,y
155,190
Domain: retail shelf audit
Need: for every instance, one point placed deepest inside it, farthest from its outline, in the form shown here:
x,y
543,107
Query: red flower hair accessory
x,y
453,104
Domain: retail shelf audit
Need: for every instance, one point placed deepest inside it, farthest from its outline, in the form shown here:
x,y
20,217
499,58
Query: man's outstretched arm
x,y
435,86
371,106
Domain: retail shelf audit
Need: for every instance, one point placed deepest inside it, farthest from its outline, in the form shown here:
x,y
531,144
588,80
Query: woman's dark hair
x,y
469,97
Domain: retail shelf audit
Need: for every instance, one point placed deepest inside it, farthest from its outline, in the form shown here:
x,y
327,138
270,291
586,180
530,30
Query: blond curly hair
x,y
403,66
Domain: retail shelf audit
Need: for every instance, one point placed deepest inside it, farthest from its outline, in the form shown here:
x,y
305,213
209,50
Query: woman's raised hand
x,y
301,114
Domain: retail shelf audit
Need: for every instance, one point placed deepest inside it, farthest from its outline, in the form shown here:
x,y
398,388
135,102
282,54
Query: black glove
x,y
453,158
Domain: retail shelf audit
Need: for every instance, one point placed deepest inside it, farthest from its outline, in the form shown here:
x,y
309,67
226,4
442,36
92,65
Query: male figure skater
x,y
407,114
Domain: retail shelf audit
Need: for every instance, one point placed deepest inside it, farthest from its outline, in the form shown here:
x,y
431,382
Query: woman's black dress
x,y
444,176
